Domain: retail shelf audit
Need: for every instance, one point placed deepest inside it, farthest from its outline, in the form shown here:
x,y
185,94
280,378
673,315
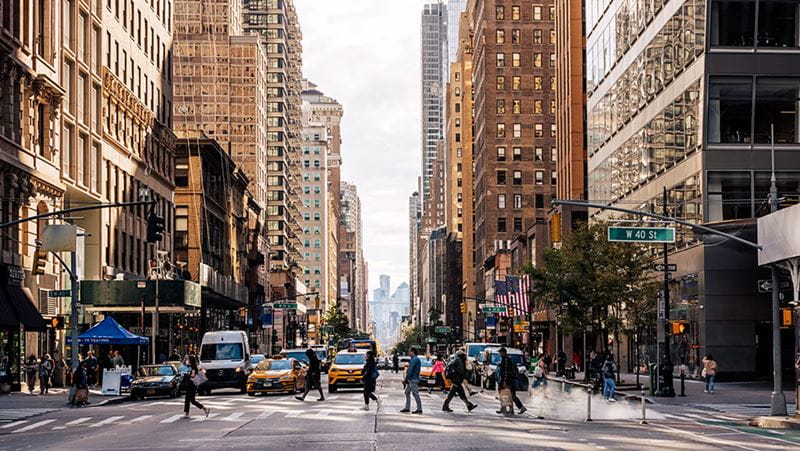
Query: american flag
x,y
501,295
517,287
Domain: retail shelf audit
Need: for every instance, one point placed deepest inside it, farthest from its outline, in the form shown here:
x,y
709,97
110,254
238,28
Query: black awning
x,y
8,319
27,313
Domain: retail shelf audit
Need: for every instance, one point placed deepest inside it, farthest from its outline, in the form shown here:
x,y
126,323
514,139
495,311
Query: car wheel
x,y
173,393
251,393
243,389
332,388
294,388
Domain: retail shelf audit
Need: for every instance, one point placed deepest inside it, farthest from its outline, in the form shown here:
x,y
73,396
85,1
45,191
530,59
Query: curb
x,y
775,423
109,402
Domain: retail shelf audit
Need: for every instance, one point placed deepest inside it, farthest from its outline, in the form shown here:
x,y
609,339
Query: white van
x,y
472,351
225,355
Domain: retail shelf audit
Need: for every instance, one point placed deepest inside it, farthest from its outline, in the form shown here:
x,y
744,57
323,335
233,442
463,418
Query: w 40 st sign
x,y
642,234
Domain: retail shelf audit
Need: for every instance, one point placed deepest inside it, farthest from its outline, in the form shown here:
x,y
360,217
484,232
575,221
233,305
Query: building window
x,y
515,59
777,101
515,36
501,224
538,130
501,177
517,106
539,200
516,83
515,13
552,130
500,36
729,109
552,13
501,106
729,196
538,154
517,154
501,154
517,130
552,106
537,83
501,201
501,59
501,130
553,177
539,177
501,83
552,83
537,13
553,154
518,224
537,36
517,179
552,60
537,106
517,201
500,12
537,59
553,36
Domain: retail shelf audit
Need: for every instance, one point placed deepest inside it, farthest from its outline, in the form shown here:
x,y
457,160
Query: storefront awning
x,y
132,293
8,319
26,312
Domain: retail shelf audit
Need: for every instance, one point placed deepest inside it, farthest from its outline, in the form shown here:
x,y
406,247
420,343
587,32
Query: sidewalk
x,y
56,398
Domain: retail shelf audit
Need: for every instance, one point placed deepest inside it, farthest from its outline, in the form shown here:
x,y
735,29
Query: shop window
x,y
729,110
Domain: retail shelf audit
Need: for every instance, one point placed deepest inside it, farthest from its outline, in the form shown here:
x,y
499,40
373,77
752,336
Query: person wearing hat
x,y
507,374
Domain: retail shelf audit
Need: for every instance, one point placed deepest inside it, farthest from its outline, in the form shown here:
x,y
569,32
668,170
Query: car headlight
x,y
238,369
286,377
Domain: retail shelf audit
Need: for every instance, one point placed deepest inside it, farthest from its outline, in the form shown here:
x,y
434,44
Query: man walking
x,y
90,364
456,371
507,376
609,373
411,381
395,363
313,375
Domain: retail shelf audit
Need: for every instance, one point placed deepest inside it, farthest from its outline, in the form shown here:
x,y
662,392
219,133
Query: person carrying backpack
x,y
456,372
609,373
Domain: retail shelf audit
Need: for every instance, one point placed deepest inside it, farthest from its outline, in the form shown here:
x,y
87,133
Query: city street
x,y
281,422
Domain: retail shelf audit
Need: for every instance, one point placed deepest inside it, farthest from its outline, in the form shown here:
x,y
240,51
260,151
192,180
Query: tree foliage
x,y
412,336
338,320
593,282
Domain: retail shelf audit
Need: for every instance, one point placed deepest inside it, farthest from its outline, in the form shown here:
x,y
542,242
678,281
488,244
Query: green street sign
x,y
443,329
286,306
493,309
59,293
431,340
642,234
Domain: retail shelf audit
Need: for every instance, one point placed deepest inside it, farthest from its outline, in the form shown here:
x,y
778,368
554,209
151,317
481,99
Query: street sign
x,y
431,340
642,234
520,328
59,293
289,305
494,309
442,329
765,285
660,267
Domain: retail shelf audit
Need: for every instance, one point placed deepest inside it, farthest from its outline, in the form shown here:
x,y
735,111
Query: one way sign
x,y
765,285
660,267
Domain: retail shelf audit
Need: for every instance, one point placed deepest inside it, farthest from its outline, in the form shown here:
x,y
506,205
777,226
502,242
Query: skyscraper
x,y
454,10
434,57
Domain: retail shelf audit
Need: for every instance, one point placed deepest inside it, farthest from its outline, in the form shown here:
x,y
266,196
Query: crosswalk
x,y
237,410
11,415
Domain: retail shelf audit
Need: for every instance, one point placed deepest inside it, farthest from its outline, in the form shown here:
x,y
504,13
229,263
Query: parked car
x,y
472,351
277,376
156,380
488,375
403,362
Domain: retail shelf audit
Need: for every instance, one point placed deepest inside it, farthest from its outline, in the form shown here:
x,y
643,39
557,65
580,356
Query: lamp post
x,y
777,398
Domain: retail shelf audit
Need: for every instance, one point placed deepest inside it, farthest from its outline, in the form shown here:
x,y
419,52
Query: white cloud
x,y
365,53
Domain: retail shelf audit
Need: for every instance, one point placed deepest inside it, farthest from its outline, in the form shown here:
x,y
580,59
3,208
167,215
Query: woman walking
x,y
191,383
313,376
370,375
438,373
709,373
45,371
31,368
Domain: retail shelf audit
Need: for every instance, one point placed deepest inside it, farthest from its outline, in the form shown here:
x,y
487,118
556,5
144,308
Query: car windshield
x,y
221,351
474,350
164,370
255,358
297,355
351,359
272,365
516,358
322,355
426,362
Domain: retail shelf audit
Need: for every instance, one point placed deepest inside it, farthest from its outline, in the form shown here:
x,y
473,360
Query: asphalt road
x,y
281,422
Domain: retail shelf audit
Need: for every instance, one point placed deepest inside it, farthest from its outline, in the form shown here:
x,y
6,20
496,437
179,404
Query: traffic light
x,y
39,262
155,228
463,307
57,322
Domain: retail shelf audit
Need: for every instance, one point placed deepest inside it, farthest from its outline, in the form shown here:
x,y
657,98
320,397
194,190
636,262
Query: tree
x,y
412,336
597,283
338,320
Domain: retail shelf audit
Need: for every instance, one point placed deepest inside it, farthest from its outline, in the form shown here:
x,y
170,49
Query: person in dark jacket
x,y
191,388
45,372
312,376
459,374
31,369
80,382
370,376
507,375
395,363
91,368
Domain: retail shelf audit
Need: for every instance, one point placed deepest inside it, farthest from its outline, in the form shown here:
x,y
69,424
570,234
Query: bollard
x,y
563,385
589,405
683,383
644,409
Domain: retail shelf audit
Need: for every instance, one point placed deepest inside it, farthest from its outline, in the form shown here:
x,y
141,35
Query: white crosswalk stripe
x,y
78,421
294,413
14,424
204,418
139,419
108,420
233,417
171,419
33,426
264,414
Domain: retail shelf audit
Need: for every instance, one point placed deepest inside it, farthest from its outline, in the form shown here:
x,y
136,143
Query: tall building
x,y
458,163
314,210
694,117
434,57
455,8
414,218
323,110
514,128
352,267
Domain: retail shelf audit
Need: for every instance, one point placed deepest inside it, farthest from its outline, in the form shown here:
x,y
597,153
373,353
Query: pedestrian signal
x,y
678,327
787,317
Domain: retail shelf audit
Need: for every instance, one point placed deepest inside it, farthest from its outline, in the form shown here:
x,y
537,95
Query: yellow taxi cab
x,y
345,371
277,375
426,376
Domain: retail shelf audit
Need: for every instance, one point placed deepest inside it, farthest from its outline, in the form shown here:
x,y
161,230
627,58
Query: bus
x,y
358,343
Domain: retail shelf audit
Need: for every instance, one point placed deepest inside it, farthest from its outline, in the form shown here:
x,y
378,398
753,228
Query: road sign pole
x,y
73,314
777,398
667,389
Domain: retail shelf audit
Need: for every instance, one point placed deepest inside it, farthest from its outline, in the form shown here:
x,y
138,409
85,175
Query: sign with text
x,y
285,305
442,329
493,309
59,293
642,234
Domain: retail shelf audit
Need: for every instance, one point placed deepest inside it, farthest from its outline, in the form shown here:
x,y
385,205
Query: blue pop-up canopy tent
x,y
109,332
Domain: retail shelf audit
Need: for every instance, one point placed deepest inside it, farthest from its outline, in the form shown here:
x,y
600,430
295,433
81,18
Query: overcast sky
x,y
365,53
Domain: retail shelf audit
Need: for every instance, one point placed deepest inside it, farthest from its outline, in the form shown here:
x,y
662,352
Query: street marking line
x,y
233,416
264,415
78,421
294,413
14,424
33,426
204,418
139,419
322,413
108,420
171,419
58,428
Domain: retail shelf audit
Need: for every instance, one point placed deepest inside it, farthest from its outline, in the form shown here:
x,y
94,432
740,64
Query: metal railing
x,y
589,388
